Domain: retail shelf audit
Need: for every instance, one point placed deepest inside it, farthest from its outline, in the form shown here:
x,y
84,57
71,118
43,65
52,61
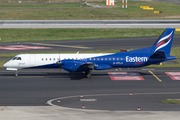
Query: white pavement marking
x,y
158,93
126,78
174,75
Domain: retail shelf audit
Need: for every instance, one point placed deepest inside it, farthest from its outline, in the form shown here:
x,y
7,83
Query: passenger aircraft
x,y
159,52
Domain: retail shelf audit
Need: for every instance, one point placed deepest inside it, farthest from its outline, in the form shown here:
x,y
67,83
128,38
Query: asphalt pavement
x,y
37,87
83,45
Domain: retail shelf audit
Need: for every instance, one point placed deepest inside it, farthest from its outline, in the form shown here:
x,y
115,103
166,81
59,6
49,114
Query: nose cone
x,y
5,65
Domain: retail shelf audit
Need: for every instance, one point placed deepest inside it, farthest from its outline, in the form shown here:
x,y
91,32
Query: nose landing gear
x,y
16,73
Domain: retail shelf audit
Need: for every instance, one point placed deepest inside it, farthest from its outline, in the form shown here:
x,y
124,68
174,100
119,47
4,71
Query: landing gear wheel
x,y
88,74
16,73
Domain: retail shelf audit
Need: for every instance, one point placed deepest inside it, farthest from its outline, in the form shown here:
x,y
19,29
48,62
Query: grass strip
x,y
169,11
22,35
2,63
171,101
41,5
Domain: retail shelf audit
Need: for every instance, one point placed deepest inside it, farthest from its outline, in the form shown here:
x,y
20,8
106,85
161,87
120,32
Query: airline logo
x,y
136,59
163,42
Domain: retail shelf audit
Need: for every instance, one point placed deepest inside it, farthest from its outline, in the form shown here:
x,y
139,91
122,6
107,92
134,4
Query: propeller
x,y
59,62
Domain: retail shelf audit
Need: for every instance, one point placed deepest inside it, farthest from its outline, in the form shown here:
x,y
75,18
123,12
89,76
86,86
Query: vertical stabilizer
x,y
164,42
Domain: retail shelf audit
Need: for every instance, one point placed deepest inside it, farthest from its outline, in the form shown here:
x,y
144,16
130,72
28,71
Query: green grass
x,y
171,101
164,65
2,63
21,35
41,5
175,52
132,12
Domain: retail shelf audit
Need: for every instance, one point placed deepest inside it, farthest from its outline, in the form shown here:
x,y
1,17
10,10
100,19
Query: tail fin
x,y
164,42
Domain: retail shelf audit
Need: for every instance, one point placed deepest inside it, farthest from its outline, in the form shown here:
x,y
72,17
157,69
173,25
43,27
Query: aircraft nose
x,y
5,65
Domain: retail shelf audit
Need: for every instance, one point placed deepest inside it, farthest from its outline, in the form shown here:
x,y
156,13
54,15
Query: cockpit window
x,y
16,58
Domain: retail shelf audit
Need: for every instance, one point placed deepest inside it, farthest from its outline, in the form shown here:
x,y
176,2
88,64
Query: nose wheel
x,y
16,73
88,73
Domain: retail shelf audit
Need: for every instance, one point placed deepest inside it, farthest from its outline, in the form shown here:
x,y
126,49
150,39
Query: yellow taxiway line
x,y
177,29
155,76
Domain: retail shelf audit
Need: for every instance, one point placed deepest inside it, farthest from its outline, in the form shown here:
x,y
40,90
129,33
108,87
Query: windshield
x,y
16,58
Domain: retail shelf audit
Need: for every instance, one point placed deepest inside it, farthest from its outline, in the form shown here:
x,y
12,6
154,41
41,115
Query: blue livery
x,y
159,52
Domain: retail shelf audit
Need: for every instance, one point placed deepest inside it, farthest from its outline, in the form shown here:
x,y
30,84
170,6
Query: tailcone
x,y
170,58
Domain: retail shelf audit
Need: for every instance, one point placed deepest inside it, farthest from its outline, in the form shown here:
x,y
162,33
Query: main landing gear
x,y
88,73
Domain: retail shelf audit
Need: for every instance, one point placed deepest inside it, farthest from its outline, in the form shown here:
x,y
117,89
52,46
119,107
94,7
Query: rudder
x,y
164,42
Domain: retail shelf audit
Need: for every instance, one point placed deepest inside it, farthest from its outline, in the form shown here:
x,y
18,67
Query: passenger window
x,y
54,59
101,58
42,59
109,58
94,58
121,58
105,58
50,59
98,59
113,58
117,58
46,59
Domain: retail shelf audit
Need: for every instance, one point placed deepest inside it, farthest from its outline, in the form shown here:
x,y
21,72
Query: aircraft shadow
x,y
71,75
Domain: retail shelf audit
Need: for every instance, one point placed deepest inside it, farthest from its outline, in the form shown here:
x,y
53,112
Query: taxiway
x,y
37,87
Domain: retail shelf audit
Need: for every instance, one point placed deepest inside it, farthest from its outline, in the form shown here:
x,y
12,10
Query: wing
x,y
87,66
77,65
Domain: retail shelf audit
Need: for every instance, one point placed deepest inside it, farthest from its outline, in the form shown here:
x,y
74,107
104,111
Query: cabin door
x,y
32,60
